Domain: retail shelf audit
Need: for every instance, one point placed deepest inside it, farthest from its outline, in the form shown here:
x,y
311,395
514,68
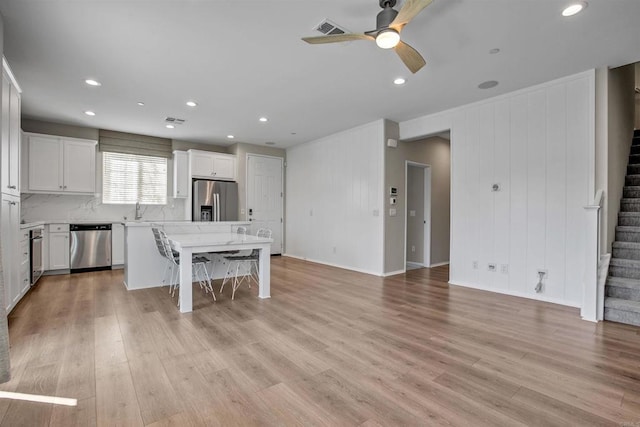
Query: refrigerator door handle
x,y
217,196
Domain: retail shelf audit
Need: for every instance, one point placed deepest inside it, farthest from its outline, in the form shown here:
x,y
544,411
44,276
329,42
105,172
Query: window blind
x,y
129,143
131,178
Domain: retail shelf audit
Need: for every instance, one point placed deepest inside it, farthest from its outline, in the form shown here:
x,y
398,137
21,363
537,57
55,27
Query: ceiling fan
x,y
389,24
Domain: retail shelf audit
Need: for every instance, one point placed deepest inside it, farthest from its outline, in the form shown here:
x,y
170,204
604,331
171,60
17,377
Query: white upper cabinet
x,y
209,165
79,159
60,165
10,152
180,174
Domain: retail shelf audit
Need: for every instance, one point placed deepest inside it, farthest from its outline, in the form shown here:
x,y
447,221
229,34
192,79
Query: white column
x,y
186,297
592,294
264,288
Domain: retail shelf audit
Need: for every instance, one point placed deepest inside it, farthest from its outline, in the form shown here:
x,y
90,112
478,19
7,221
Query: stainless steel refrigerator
x,y
215,200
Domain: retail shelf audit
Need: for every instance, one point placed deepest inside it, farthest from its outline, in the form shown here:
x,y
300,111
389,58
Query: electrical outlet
x,y
334,249
491,267
504,268
475,265
413,248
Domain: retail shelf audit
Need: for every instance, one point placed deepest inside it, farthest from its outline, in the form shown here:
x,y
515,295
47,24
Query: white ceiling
x,y
244,59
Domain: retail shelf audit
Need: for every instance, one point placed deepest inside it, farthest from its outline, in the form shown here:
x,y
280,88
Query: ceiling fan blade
x,y
409,10
334,38
411,58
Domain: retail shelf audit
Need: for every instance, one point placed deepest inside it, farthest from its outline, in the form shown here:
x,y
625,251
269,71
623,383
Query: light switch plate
x,y
392,212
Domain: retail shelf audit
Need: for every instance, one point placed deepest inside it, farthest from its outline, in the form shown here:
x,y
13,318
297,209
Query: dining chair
x,y
243,262
199,270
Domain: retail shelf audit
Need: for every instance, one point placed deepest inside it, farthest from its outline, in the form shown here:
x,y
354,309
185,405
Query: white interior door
x,y
265,196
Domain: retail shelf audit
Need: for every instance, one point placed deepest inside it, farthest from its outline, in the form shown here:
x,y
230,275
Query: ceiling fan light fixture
x,y
388,38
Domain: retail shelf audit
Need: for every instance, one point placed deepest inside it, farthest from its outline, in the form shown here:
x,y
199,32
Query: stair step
x,y
632,180
630,205
635,149
634,159
623,288
622,311
631,191
633,169
626,250
629,219
627,234
636,133
627,268
636,140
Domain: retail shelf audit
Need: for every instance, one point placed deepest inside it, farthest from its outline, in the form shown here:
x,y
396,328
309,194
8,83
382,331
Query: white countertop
x,y
193,223
32,224
142,223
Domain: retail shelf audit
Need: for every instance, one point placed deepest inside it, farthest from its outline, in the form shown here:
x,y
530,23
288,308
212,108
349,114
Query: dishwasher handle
x,y
89,227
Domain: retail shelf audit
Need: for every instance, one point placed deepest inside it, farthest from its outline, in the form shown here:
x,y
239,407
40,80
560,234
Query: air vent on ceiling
x,y
328,28
174,121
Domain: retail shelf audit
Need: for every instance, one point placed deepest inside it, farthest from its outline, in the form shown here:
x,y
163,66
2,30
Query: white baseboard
x,y
330,264
393,273
439,264
518,294
415,264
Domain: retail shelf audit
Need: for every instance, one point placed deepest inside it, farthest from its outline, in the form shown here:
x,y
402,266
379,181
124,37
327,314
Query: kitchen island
x,y
143,265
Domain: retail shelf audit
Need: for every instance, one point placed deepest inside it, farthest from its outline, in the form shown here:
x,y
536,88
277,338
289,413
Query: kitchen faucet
x,y
138,213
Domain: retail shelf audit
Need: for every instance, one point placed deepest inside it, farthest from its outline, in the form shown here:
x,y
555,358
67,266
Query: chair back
x,y
264,232
167,246
159,243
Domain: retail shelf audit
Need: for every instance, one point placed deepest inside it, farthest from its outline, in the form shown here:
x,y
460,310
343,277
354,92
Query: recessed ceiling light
x,y
191,103
92,82
494,51
141,104
170,126
488,84
399,81
230,136
263,119
574,8
270,143
90,113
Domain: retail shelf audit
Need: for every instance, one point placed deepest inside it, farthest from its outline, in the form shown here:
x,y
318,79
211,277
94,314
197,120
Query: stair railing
x,y
593,292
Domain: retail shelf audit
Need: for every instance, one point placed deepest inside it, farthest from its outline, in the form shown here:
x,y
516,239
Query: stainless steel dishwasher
x,y
90,247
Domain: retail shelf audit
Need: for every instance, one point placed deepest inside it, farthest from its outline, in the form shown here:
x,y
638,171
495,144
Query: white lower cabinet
x,y
25,262
58,246
11,255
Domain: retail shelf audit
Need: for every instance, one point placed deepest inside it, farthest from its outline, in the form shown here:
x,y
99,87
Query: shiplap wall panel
x,y
502,152
339,179
536,185
460,203
579,122
541,144
518,215
556,161
485,197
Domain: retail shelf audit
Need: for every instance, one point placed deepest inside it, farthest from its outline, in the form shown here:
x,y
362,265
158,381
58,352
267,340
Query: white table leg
x,y
186,297
264,288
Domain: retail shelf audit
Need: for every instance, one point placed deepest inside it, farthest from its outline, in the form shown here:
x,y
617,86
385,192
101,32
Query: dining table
x,y
188,244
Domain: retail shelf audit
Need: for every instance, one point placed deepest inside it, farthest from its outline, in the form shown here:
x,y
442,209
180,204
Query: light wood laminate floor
x,y
332,347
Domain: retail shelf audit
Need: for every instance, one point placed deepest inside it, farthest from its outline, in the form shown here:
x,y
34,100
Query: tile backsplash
x,y
52,207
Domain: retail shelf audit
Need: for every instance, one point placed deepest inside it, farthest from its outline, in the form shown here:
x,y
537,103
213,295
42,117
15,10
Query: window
x,y
130,178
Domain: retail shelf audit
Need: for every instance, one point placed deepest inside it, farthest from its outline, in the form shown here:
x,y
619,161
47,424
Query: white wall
x,y
334,186
538,144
